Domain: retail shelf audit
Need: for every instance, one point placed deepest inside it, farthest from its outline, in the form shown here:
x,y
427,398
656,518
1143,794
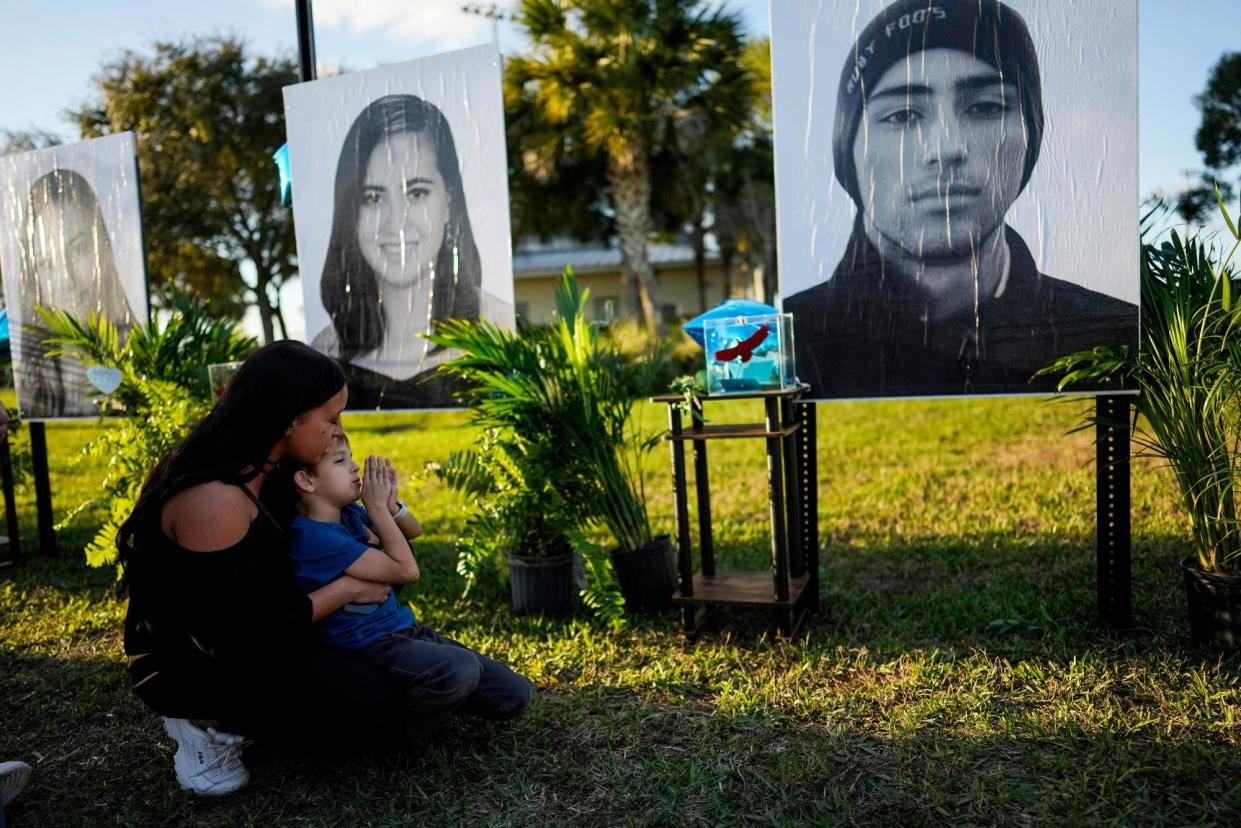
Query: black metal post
x,y
684,556
703,496
807,441
1113,576
10,500
775,483
42,489
305,40
792,504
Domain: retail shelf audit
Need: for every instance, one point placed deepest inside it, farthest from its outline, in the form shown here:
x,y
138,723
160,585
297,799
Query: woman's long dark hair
x,y
349,286
277,383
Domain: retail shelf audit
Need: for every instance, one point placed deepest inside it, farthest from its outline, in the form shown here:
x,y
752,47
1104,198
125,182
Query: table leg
x,y
792,488
775,484
684,555
807,440
702,496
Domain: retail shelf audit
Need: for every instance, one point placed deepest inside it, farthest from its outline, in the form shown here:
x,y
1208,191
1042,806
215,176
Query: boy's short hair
x,y
280,494
294,466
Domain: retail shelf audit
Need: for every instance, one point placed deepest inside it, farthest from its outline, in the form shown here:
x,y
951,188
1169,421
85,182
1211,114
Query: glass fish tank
x,y
747,354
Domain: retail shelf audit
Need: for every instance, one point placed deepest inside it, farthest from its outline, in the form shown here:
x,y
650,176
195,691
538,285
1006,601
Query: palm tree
x,y
615,77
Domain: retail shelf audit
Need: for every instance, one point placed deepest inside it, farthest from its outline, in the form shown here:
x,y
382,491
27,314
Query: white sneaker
x,y
207,761
13,778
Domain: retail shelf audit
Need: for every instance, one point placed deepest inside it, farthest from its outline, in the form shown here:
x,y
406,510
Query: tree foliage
x,y
26,140
1218,139
614,78
208,117
560,399
721,182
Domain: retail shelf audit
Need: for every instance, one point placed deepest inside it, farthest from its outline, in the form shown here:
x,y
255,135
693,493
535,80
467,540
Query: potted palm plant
x,y
1188,410
518,515
571,390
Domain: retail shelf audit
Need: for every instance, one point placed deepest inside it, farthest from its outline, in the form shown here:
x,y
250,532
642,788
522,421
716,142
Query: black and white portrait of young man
x,y
957,186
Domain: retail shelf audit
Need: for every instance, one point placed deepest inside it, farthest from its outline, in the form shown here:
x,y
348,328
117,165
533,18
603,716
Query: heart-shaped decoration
x,y
105,379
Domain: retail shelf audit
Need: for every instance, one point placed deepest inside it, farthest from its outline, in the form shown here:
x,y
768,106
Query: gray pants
x,y
442,677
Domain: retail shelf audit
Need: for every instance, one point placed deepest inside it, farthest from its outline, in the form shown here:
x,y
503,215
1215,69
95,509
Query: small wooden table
x,y
792,588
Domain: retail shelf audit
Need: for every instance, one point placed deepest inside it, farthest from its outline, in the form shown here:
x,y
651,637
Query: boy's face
x,y
940,153
336,476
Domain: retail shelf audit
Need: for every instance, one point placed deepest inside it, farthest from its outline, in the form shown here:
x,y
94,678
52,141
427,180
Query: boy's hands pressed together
x,y
392,480
377,488
394,560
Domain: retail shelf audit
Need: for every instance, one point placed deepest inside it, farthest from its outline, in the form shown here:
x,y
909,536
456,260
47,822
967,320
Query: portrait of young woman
x,y
59,253
401,253
938,128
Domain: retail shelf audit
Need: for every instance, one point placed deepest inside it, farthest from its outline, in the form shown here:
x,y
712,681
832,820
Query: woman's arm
x,y
250,603
409,525
209,517
345,590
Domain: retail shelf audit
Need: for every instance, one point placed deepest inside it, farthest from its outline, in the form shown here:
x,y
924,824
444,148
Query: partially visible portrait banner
x,y
400,203
957,190
70,240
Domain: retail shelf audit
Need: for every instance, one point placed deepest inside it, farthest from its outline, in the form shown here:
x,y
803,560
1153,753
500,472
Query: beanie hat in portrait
x,y
986,29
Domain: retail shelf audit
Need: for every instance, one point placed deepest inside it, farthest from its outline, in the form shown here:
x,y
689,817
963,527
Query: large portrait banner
x,y
400,199
70,240
957,190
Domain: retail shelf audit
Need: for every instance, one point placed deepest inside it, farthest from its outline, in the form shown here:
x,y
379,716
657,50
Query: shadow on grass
x,y
948,680
1012,596
606,755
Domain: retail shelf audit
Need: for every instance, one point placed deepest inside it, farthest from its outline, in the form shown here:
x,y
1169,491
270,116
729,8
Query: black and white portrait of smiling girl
x,y
400,251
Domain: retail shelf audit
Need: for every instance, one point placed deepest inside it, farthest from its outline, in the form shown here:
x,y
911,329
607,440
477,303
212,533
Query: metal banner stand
x,y
10,500
305,41
1114,582
42,489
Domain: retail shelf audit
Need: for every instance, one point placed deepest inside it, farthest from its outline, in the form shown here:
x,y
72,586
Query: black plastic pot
x,y
1214,606
541,585
647,575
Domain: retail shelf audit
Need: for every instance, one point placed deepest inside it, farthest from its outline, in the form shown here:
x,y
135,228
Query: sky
x,y
50,49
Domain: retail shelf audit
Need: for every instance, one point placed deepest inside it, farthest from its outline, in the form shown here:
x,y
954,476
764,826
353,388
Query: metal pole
x,y
10,500
305,40
703,495
775,492
42,489
1113,576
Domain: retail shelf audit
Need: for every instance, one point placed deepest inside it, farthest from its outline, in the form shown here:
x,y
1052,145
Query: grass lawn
x,y
956,674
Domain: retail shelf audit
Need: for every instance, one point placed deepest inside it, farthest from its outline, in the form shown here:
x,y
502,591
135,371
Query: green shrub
x,y
164,392
1188,374
516,506
564,393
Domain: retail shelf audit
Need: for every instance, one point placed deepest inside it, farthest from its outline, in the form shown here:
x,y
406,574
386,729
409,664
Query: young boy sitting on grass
x,y
332,536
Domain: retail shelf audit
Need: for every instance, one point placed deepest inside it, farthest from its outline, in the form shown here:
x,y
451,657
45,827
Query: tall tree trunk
x,y
727,256
629,173
263,299
700,261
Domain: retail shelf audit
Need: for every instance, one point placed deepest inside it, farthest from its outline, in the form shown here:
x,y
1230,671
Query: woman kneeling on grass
x,y
219,637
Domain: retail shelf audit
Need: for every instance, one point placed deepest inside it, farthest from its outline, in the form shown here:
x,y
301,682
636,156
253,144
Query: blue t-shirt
x,y
321,552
